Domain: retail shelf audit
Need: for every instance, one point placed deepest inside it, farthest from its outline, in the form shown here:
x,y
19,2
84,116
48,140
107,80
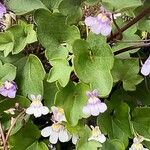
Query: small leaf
x,y
6,42
127,72
32,76
50,90
141,122
8,72
72,99
92,63
53,32
123,4
38,146
21,7
71,9
23,34
118,124
60,72
113,145
29,134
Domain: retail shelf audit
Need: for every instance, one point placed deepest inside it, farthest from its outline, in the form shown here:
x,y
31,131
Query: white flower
x,y
75,139
97,135
146,67
137,144
94,106
58,114
55,132
36,108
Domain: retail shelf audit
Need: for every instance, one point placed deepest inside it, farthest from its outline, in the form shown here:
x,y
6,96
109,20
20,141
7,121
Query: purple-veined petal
x,y
2,10
90,21
11,94
106,30
96,28
4,92
95,92
88,93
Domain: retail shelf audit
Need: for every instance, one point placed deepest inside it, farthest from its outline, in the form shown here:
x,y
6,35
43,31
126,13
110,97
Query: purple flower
x,y
94,106
8,89
99,24
146,67
2,10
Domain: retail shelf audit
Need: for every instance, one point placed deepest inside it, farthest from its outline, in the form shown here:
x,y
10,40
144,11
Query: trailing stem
x,y
115,36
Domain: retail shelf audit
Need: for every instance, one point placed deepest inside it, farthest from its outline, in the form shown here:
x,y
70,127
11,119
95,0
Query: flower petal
x,y
95,92
30,110
37,112
106,30
2,10
96,28
53,137
102,107
101,138
32,97
86,111
44,110
146,67
11,94
4,92
89,21
75,139
39,97
88,93
46,131
94,110
64,136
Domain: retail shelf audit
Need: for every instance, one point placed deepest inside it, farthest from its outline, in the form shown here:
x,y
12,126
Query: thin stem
x,y
131,41
3,137
131,48
118,28
87,31
146,139
13,124
129,24
146,85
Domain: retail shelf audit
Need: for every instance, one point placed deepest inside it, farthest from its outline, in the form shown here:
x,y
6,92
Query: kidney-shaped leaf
x,y
93,61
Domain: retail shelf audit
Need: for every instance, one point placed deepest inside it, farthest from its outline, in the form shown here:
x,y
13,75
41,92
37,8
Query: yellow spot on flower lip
x,y
95,131
36,102
137,146
8,85
56,127
102,17
60,110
